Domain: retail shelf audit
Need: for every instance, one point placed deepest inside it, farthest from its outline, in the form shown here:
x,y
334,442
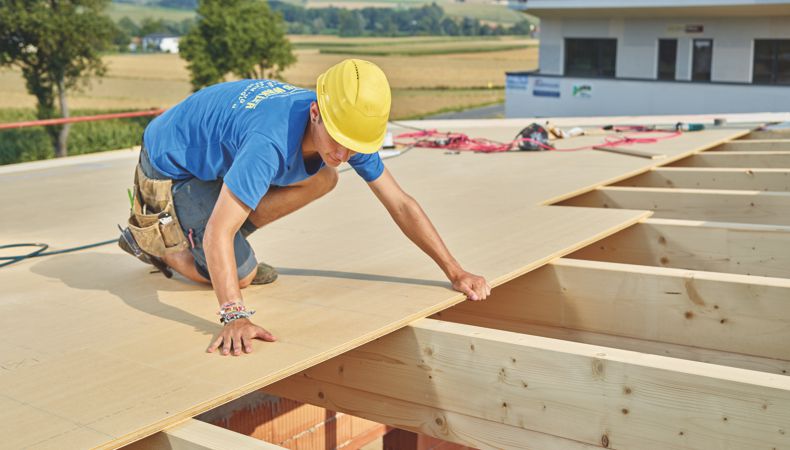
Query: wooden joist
x,y
591,395
767,134
713,178
693,204
732,313
757,145
478,315
745,249
196,435
752,159
472,429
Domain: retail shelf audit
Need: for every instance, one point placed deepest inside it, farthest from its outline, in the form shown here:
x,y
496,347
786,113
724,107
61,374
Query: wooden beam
x,y
767,134
196,435
591,395
471,429
745,249
756,145
478,314
732,313
771,208
769,159
713,178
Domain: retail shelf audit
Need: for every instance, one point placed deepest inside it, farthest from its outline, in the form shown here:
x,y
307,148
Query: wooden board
x,y
770,208
745,249
732,313
768,134
747,160
479,316
713,178
593,395
196,435
473,430
754,145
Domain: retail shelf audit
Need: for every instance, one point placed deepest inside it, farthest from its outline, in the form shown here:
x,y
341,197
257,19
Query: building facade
x,y
160,42
655,57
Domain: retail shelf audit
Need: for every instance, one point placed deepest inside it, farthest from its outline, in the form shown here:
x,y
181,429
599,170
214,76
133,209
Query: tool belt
x,y
153,221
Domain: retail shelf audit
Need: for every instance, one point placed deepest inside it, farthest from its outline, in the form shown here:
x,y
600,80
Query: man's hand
x,y
238,335
475,287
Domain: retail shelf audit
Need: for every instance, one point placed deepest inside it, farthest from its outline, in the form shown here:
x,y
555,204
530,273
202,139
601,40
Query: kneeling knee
x,y
246,281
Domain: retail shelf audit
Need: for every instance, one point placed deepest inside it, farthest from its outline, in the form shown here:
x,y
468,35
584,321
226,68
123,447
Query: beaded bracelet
x,y
231,311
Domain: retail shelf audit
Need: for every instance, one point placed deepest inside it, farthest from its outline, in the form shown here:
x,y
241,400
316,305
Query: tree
x,y
57,44
351,23
240,37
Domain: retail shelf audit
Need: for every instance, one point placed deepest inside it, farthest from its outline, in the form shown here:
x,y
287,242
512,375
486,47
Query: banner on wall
x,y
517,82
546,87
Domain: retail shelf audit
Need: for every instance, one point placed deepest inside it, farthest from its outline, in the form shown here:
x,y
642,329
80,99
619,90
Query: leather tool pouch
x,y
153,220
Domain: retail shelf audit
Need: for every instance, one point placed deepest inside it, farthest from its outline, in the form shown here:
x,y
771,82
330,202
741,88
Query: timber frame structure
x,y
662,323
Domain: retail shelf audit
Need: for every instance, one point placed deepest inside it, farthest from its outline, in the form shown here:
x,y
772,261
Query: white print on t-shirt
x,y
262,90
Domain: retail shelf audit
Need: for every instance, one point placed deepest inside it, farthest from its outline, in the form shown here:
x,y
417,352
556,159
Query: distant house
x,y
609,57
160,42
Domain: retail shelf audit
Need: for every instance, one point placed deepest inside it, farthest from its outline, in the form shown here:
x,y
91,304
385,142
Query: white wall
x,y
555,97
637,43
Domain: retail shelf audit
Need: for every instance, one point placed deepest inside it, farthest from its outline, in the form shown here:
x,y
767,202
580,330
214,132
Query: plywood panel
x,y
713,178
127,359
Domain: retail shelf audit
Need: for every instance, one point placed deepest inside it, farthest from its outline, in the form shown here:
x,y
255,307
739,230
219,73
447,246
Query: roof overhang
x,y
652,8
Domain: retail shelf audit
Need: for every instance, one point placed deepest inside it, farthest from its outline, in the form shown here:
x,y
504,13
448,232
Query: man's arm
x,y
415,224
226,219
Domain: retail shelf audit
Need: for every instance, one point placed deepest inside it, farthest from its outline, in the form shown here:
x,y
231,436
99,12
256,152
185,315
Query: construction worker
x,y
236,156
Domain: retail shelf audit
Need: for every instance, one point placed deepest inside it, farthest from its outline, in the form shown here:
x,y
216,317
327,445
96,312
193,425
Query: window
x,y
771,61
590,57
703,59
667,58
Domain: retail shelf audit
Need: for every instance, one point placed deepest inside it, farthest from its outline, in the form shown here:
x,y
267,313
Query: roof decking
x,y
99,353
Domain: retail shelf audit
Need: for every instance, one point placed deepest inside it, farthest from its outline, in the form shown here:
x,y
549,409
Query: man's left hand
x,y
474,286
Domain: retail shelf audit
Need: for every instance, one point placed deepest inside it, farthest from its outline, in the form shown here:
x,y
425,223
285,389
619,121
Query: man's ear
x,y
315,113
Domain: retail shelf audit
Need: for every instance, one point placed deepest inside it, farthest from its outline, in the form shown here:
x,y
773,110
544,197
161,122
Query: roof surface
x,y
99,352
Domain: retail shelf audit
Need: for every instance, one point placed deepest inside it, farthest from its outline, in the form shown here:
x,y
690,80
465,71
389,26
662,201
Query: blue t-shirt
x,y
247,133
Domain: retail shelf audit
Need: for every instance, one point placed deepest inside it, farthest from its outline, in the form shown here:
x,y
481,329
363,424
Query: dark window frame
x,y
773,75
667,75
599,64
701,76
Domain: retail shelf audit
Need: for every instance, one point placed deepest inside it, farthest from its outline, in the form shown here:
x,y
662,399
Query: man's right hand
x,y
238,335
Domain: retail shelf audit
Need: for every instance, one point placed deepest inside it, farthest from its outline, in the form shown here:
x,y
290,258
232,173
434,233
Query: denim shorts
x,y
194,201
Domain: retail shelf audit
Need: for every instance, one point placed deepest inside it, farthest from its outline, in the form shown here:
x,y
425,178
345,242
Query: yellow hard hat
x,y
354,99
